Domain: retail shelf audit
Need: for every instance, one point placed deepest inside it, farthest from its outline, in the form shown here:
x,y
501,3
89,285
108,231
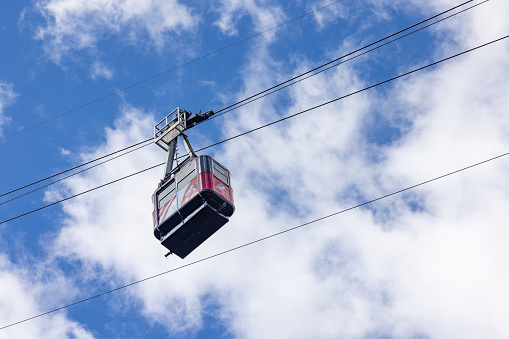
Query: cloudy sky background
x,y
427,263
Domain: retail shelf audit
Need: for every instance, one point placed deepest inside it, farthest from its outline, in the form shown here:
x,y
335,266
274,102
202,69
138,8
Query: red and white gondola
x,y
193,200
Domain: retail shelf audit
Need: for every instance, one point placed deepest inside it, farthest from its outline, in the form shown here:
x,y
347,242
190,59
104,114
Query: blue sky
x,y
430,263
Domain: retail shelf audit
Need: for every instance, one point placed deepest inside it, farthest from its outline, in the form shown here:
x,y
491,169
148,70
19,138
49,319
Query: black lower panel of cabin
x,y
216,201
194,232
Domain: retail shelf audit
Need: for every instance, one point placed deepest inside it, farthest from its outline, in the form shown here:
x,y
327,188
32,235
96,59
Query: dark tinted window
x,y
221,173
166,194
186,175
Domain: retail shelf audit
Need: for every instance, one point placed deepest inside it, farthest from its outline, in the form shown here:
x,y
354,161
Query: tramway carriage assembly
x,y
194,199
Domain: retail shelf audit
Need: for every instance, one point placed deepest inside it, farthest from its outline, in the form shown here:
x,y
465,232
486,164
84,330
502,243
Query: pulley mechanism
x,y
173,126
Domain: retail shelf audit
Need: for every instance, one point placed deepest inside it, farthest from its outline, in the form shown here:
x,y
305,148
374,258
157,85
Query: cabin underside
x,y
194,223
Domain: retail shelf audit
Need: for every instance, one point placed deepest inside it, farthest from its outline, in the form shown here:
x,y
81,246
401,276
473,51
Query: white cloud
x,y
99,70
425,263
79,25
64,152
22,294
7,96
329,14
207,83
263,14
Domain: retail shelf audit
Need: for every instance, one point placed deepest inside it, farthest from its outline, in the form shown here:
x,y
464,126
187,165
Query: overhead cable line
x,y
287,82
272,123
75,167
343,56
256,241
336,64
169,70
71,175
77,195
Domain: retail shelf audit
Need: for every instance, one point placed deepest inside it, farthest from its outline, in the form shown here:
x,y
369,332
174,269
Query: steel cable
x,y
169,70
254,241
276,87
272,123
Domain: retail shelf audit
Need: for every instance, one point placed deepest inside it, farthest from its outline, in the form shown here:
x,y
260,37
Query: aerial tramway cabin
x,y
194,199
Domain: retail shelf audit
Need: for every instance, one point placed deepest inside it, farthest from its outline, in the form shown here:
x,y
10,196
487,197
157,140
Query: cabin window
x,y
221,173
204,164
185,175
166,194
